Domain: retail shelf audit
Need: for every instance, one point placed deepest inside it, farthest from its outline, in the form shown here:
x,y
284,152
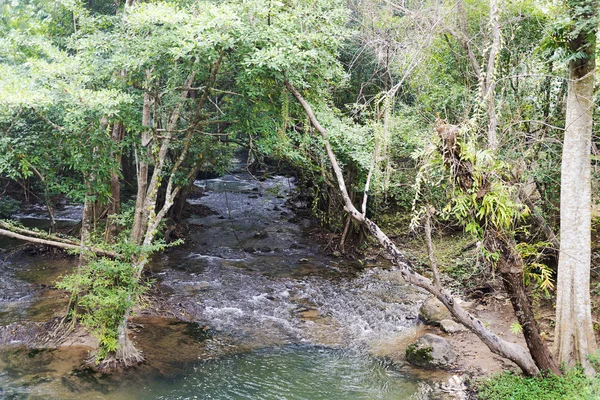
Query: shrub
x,y
105,290
573,385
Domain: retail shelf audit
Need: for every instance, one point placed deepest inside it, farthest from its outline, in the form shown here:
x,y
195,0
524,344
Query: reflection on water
x,y
293,372
299,373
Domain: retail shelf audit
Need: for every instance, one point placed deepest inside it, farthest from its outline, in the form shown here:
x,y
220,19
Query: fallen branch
x,y
41,235
512,351
54,243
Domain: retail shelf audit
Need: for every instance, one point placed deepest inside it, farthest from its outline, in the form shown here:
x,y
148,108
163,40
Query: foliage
x,y
488,201
516,328
8,206
536,273
105,291
574,385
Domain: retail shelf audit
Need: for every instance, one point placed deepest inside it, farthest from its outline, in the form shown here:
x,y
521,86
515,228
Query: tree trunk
x,y
574,335
141,162
489,93
179,203
50,240
86,228
127,354
511,268
114,207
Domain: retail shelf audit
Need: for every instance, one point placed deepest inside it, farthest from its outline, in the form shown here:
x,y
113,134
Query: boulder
x,y
431,352
450,326
433,311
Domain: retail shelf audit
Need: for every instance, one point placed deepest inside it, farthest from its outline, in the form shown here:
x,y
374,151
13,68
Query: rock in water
x,y
432,352
450,326
433,311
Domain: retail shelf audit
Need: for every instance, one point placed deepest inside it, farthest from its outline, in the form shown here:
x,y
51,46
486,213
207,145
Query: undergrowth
x,y
573,385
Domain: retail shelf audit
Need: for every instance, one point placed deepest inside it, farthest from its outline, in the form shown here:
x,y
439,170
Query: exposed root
x,y
123,358
126,355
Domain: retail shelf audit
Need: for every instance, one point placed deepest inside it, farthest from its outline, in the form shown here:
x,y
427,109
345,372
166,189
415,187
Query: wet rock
x,y
433,311
276,208
450,326
261,234
249,249
296,246
284,214
265,249
431,352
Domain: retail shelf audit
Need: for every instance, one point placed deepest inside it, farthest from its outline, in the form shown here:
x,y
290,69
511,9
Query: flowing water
x,y
267,314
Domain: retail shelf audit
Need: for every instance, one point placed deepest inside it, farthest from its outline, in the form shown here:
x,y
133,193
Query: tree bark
x,y
142,167
86,227
489,92
114,207
574,335
497,345
511,267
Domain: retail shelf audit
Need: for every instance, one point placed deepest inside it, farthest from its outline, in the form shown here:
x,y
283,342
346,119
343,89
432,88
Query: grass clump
x,y
573,385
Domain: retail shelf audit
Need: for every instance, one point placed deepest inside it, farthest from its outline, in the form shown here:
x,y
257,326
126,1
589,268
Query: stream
x,y
253,309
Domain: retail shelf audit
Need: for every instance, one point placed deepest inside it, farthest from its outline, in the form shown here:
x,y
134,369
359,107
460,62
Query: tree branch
x,y
60,245
496,344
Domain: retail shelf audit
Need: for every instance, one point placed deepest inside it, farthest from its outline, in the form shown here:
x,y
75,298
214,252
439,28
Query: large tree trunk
x,y
511,351
574,335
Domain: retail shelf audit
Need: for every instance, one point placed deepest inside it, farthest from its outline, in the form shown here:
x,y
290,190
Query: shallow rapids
x,y
276,316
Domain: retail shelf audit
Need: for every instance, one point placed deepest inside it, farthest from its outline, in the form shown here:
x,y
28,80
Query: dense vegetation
x,y
454,113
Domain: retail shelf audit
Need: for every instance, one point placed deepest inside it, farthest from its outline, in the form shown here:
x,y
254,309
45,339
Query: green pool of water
x,y
287,373
294,372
